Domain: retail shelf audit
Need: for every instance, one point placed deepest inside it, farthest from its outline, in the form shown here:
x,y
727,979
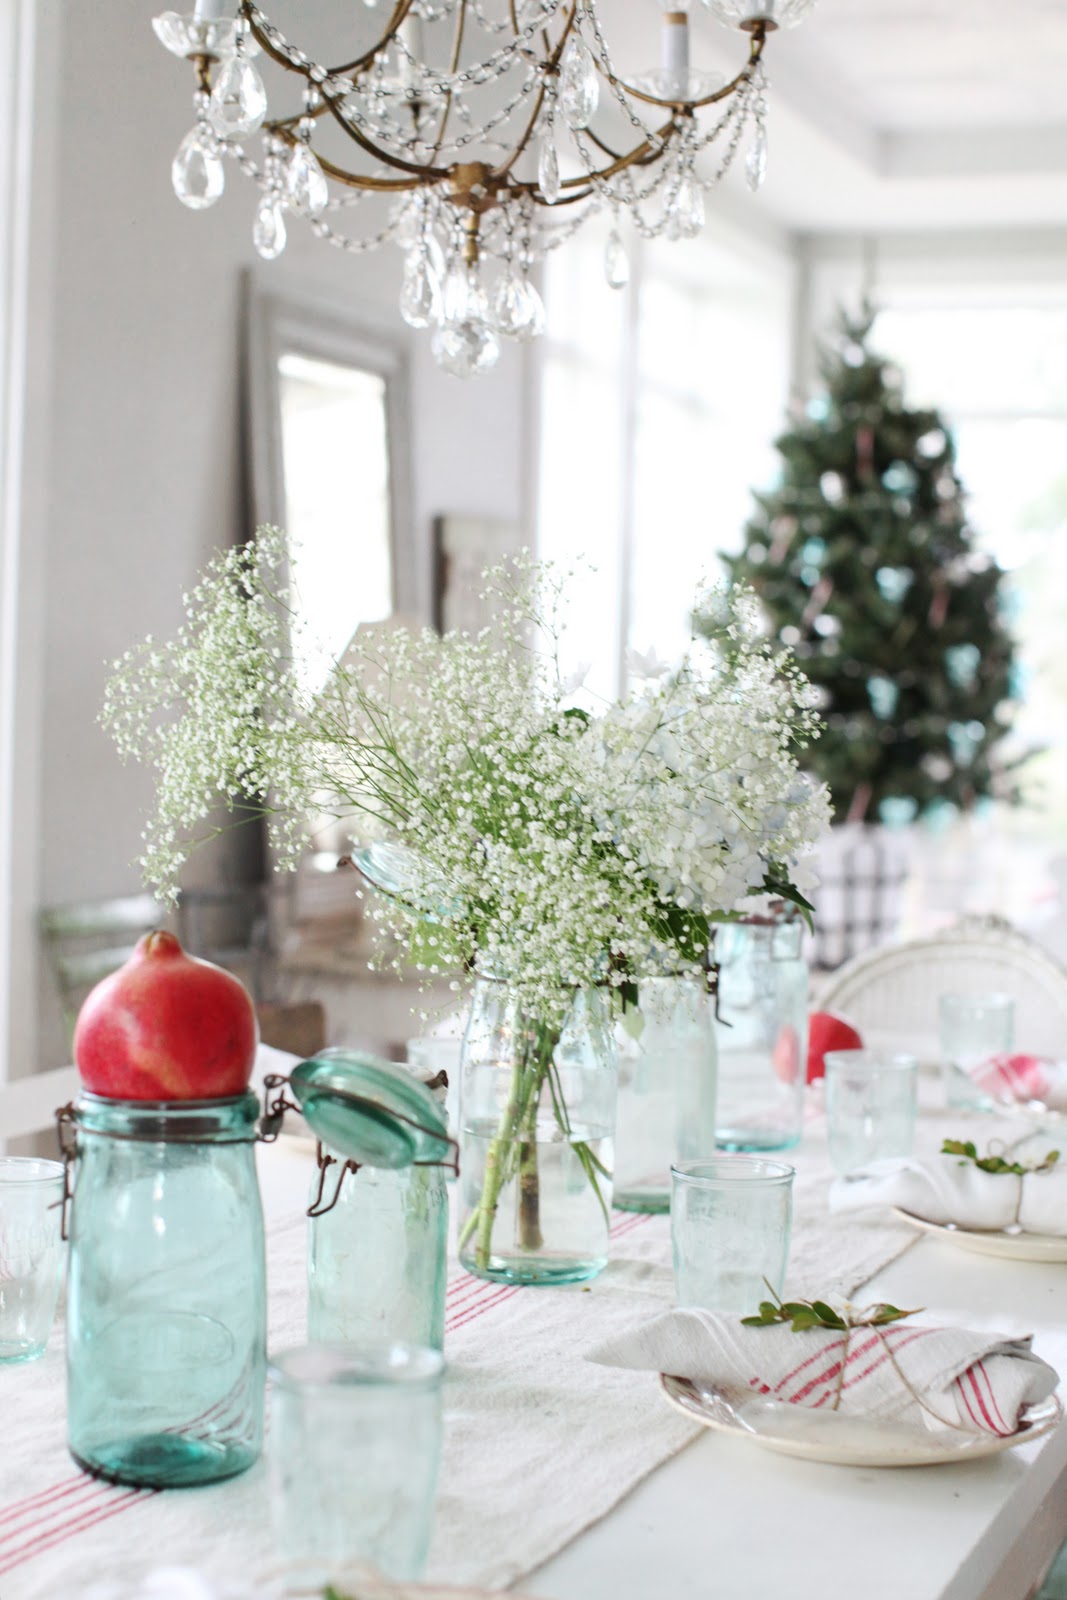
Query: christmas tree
x,y
866,565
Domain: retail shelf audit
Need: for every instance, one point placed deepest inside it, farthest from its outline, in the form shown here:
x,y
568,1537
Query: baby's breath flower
x,y
544,845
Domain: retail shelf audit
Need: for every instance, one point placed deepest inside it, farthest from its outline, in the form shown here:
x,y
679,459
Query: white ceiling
x,y
898,114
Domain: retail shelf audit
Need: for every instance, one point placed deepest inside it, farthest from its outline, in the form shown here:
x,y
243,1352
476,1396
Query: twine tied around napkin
x,y
935,1376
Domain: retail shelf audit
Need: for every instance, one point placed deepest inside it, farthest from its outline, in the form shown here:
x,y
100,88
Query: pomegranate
x,y
828,1032
166,1026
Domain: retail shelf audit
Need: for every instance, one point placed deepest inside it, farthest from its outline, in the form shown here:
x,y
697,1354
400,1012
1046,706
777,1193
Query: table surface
x,y
726,1519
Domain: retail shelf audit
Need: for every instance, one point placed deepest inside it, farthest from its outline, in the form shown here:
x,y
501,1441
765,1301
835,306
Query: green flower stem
x,y
513,1149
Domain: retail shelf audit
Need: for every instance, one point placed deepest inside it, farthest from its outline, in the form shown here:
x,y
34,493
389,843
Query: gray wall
x,y
144,473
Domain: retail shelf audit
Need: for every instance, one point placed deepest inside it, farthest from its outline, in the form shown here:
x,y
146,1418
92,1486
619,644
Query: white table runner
x,y
539,1442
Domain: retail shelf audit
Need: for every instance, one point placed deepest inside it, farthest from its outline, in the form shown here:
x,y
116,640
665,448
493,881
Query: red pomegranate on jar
x,y
166,1026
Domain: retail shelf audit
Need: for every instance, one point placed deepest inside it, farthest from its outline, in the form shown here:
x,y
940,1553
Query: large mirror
x,y
329,453
329,459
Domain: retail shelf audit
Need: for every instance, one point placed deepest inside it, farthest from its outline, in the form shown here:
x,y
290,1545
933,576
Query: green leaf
x,y
781,887
827,1315
885,1313
803,1319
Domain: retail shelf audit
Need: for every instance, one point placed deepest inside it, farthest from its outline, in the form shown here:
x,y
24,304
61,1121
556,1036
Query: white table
x,y
727,1520
720,1520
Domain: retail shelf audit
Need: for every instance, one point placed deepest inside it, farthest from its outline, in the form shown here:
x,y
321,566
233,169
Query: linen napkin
x,y
940,1377
948,1189
1023,1079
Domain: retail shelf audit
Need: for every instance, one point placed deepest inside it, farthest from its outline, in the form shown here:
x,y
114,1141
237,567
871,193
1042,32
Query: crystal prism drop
x,y
238,100
579,91
268,231
306,182
686,216
756,160
548,180
616,261
466,348
517,309
420,292
197,172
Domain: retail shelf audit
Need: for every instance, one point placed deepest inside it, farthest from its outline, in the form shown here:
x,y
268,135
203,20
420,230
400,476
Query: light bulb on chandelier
x,y
476,135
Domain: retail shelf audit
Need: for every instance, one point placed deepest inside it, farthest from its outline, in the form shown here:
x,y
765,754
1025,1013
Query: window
x,y
995,364
660,405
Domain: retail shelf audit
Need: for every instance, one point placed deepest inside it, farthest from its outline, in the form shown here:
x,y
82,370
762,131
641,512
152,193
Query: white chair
x,y
895,990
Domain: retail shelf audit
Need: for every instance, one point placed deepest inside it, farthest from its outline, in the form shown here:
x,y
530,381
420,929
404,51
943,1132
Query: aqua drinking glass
x,y
355,1443
731,1219
762,1032
31,1253
972,1029
166,1306
666,1103
870,1106
377,1259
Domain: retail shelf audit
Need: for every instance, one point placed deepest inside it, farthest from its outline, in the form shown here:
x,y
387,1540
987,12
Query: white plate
x,y
845,1441
994,1242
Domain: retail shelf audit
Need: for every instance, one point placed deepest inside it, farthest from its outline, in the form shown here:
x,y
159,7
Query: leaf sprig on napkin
x,y
806,1314
967,1151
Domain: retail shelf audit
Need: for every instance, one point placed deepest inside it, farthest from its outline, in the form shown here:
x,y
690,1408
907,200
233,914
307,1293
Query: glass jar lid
x,y
371,1111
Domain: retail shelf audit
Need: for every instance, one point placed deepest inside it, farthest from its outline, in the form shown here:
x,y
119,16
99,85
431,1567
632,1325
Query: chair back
x,y
895,990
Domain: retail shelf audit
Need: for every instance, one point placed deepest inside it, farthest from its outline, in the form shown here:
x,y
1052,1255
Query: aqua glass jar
x,y
761,1031
166,1298
377,1257
537,1126
667,1078
378,1234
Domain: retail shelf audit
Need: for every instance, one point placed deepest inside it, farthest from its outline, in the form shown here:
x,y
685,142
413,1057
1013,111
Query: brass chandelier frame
x,y
474,187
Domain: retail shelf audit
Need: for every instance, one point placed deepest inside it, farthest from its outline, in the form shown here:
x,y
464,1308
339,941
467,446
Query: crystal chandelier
x,y
476,135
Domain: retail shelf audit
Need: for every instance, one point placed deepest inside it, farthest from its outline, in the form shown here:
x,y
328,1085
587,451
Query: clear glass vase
x,y
166,1303
377,1259
762,1032
537,1123
666,1106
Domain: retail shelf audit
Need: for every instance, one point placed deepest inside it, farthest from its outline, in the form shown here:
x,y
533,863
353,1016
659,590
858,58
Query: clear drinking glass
x,y
731,1218
762,1032
870,1106
31,1200
972,1028
355,1442
666,1104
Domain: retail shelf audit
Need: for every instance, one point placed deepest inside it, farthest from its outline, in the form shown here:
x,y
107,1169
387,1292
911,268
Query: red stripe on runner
x,y
504,1292
53,1536
38,1502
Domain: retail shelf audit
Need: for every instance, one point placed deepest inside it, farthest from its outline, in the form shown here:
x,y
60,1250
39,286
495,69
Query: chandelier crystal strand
x,y
756,160
477,136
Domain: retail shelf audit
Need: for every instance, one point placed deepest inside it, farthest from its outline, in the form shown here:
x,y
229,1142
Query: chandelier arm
x,y
249,10
453,68
641,155
420,170
551,66
759,39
